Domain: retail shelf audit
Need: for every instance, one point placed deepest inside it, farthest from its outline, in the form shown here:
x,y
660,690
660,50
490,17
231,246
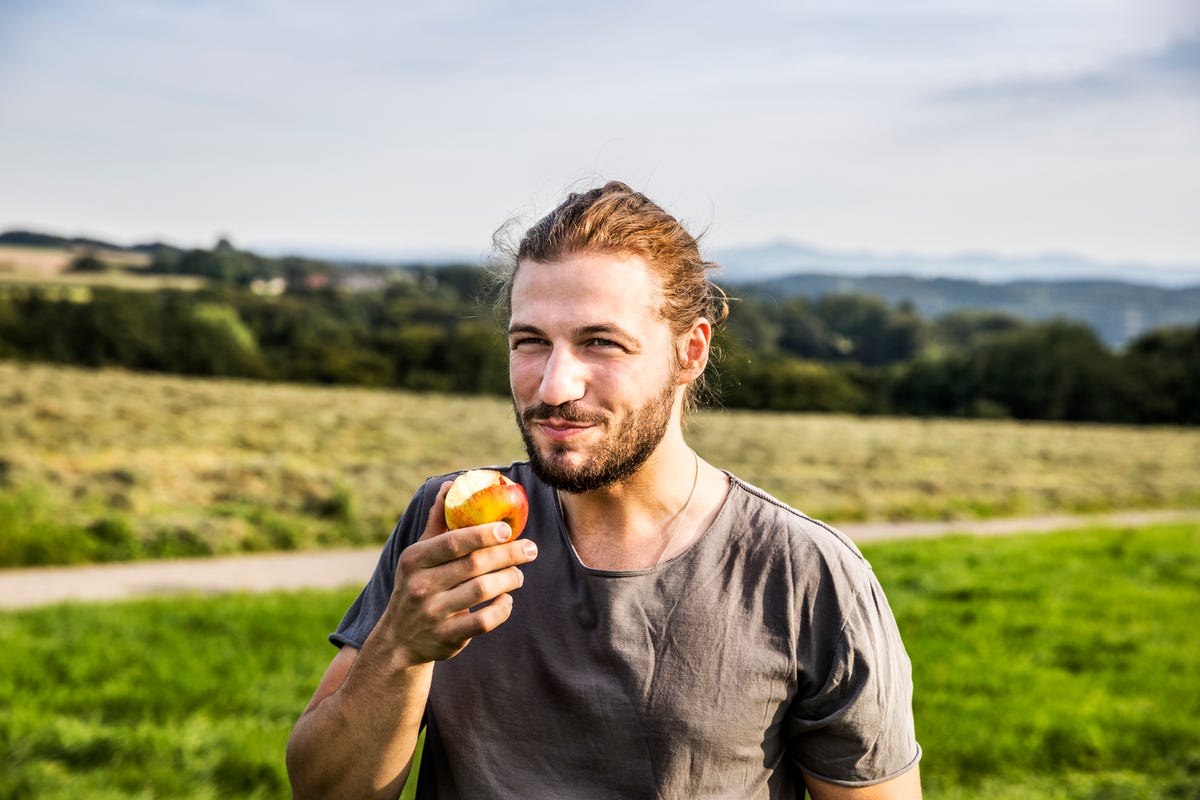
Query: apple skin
x,y
503,500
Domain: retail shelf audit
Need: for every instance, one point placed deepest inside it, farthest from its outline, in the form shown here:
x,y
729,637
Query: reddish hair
x,y
616,219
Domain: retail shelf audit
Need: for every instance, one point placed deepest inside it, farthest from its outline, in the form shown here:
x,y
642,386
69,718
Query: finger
x,y
494,613
451,545
492,558
467,625
424,582
425,570
475,592
435,523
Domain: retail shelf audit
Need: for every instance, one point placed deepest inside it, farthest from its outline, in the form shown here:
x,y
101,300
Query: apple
x,y
479,496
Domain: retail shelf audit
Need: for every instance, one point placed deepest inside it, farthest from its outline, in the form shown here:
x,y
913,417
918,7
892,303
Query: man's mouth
x,y
562,416
560,430
561,424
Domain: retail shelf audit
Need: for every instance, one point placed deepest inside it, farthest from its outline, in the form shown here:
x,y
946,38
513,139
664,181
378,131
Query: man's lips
x,y
560,430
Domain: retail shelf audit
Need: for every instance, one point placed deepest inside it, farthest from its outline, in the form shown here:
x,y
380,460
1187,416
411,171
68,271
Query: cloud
x,y
1173,69
928,124
1181,58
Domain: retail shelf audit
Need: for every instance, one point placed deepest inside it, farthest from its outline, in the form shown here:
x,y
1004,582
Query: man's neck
x,y
648,518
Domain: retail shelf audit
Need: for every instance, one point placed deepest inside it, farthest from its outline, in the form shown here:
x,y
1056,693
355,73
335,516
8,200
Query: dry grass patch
x,y
843,468
226,466
154,465
22,266
54,260
132,281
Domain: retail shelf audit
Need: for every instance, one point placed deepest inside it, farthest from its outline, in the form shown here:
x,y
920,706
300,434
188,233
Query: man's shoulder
x,y
826,574
762,514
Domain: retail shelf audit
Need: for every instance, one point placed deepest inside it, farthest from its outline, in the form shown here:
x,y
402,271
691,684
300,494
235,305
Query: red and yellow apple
x,y
479,496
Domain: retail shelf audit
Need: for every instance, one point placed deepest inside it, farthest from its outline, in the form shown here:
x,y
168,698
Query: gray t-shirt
x,y
766,647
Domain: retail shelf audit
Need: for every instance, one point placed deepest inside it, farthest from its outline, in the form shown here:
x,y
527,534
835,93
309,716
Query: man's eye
x,y
598,342
525,342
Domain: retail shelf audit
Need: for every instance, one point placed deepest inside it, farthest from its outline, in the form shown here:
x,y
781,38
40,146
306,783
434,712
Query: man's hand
x,y
357,736
452,586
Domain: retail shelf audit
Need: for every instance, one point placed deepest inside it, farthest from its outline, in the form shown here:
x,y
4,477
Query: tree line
x,y
426,329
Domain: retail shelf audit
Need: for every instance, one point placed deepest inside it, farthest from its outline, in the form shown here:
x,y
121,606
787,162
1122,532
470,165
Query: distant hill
x,y
49,240
35,239
1119,300
1116,310
782,258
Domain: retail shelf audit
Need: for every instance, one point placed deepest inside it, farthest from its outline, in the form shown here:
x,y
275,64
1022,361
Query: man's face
x,y
593,368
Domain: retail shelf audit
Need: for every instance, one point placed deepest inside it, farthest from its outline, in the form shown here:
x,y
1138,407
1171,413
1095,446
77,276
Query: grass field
x,y
77,286
47,267
105,465
1047,667
50,261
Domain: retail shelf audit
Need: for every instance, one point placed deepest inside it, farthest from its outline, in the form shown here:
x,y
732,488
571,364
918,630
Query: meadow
x,y
48,262
48,268
1058,666
111,465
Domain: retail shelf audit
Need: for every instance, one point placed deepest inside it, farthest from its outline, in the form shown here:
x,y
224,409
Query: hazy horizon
x,y
766,260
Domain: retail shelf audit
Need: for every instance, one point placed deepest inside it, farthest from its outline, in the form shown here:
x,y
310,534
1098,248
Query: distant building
x,y
362,282
269,288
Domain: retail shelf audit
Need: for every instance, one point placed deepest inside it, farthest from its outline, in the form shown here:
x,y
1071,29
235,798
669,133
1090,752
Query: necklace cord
x,y
677,520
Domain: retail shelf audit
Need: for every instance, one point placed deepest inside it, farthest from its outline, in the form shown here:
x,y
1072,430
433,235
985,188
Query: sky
x,y
1011,127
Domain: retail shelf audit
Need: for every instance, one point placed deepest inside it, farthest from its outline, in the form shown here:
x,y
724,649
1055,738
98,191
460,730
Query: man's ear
x,y
693,350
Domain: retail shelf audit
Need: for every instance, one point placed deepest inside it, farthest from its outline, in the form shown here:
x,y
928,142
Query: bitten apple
x,y
479,496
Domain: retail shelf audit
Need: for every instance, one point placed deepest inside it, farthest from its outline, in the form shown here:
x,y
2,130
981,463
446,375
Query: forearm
x,y
359,740
906,786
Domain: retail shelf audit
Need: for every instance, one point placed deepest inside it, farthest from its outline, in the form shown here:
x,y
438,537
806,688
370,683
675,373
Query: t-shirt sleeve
x,y
853,725
369,606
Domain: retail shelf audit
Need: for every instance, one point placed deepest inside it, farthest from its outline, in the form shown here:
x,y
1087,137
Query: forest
x,y
433,328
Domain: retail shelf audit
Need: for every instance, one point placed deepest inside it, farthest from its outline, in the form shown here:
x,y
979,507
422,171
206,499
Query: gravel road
x,y
329,569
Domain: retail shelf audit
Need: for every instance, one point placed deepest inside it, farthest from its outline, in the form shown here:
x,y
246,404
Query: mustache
x,y
568,412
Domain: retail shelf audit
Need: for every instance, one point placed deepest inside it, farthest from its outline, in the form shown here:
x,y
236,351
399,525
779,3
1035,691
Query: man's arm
x,y
357,735
903,787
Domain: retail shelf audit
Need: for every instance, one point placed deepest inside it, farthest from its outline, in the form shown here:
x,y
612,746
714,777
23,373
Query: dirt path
x,y
328,569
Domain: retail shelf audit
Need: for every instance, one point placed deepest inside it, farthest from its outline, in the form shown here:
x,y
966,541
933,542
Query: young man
x,y
662,629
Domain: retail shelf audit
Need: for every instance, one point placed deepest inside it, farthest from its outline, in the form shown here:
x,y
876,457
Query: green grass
x,y
1058,667
181,698
1061,666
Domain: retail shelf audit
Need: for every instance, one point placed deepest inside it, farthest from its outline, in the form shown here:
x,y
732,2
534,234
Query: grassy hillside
x,y
25,265
54,260
1050,667
113,465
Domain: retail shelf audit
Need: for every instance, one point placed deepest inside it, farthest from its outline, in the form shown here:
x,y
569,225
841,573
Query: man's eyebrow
x,y
610,330
581,332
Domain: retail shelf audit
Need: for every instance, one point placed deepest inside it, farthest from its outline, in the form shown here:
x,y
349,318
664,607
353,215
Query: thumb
x,y
435,525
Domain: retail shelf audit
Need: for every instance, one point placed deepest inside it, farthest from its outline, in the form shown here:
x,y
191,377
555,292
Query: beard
x,y
618,456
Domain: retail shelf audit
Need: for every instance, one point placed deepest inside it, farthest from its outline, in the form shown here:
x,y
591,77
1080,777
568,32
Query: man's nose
x,y
563,379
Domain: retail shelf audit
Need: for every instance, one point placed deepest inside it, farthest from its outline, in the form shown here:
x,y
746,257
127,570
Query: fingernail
x,y
530,548
502,531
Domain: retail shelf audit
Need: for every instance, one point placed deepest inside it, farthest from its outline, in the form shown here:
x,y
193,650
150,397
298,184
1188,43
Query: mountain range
x,y
1118,300
757,263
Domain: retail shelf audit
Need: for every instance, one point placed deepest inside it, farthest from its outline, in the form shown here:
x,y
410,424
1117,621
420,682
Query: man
x,y
663,629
